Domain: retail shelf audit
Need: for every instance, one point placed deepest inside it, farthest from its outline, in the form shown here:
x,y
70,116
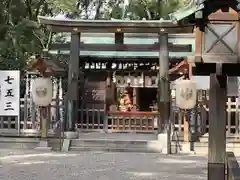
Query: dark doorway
x,y
146,97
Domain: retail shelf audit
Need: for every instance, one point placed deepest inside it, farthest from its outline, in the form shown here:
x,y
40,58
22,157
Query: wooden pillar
x,y
134,99
164,88
73,76
119,38
185,127
108,99
163,85
217,127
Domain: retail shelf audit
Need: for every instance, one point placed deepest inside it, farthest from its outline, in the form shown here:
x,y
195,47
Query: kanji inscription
x,y
10,95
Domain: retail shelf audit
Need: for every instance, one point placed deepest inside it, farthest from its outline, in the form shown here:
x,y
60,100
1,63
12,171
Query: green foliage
x,y
151,9
19,32
21,36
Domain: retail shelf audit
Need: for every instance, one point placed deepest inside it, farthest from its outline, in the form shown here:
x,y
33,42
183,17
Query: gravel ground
x,y
33,165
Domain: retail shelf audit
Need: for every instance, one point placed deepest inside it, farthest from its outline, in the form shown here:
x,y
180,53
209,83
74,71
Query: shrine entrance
x,y
147,99
123,99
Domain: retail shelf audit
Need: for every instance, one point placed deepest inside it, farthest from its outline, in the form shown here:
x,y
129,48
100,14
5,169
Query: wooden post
x,y
217,127
164,88
73,75
44,118
119,38
185,127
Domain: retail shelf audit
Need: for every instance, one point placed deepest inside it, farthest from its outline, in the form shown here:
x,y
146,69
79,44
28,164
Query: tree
x,y
151,9
131,9
19,32
21,36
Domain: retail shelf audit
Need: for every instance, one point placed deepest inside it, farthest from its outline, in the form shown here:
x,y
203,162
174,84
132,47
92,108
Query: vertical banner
x,y
9,93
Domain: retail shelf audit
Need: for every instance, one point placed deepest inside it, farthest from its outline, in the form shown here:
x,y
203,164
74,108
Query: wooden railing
x,y
133,121
28,123
93,119
232,166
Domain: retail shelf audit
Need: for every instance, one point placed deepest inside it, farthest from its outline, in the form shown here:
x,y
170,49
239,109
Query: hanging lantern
x,y
186,94
42,91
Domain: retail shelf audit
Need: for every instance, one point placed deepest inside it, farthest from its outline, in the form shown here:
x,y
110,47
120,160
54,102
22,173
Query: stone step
x,y
148,146
26,143
201,148
230,138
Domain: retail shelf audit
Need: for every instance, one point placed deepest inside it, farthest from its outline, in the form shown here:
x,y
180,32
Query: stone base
x,y
186,148
66,145
71,135
217,171
163,139
43,146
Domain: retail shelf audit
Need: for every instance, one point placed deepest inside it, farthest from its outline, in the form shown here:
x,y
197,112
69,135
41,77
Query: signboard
x,y
9,93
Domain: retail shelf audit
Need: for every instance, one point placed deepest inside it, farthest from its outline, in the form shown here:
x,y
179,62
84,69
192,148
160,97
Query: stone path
x,y
32,165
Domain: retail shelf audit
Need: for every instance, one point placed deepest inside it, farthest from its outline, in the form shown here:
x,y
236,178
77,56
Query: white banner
x,y
9,93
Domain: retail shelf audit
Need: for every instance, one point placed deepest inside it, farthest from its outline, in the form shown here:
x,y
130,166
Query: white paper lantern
x,y
186,94
42,91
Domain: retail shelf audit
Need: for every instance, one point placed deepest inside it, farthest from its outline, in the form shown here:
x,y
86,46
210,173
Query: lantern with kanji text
x,y
186,94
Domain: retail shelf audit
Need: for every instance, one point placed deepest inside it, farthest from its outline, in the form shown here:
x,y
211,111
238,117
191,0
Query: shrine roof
x,y
113,22
126,26
123,54
170,24
39,65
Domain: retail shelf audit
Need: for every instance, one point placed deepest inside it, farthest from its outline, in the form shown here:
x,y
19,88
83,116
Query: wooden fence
x,y
28,123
